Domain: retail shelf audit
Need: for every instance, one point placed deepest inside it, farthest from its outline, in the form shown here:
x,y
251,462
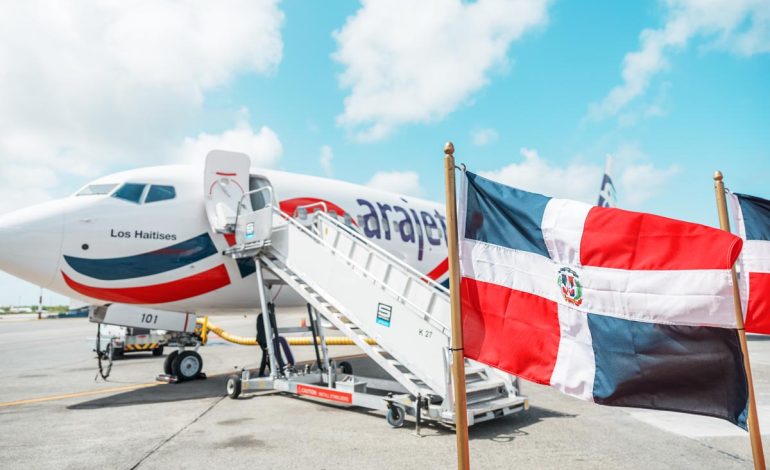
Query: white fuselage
x,y
161,250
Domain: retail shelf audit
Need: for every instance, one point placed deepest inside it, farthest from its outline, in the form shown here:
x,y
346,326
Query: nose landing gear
x,y
183,364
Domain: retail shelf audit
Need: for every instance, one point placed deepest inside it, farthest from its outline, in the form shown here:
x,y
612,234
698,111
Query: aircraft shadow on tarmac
x,y
194,390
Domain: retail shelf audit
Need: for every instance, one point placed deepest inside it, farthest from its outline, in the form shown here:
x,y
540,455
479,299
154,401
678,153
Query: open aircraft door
x,y
229,200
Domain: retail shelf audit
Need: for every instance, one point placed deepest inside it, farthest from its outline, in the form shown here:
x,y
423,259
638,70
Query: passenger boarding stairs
x,y
365,292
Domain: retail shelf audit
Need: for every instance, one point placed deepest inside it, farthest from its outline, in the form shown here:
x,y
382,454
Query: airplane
x,y
142,237
156,236
145,237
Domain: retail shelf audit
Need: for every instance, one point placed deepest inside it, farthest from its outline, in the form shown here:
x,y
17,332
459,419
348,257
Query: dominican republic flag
x,y
752,217
616,307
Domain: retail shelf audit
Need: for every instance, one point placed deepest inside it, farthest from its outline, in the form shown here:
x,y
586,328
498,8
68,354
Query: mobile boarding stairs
x,y
364,292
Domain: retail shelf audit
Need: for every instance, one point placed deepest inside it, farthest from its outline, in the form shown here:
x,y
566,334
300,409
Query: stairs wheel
x,y
345,367
395,417
233,386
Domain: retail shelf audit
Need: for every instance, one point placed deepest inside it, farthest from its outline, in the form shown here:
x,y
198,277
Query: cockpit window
x,y
130,192
96,190
160,193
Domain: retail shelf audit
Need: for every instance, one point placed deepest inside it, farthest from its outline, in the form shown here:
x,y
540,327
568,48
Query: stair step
x,y
487,406
472,379
484,386
482,392
395,363
473,369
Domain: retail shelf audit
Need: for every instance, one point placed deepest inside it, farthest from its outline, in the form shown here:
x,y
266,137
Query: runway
x,y
53,414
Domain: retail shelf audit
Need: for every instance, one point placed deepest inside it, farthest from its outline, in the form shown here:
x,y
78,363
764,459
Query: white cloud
x,y
262,146
415,62
86,87
483,137
401,182
741,26
639,180
579,181
326,159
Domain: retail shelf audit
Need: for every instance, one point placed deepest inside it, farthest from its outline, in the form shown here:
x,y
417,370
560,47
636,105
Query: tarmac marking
x,y
79,394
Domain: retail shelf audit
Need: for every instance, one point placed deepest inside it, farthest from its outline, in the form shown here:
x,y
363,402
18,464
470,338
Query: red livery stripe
x,y
614,238
439,270
758,311
230,239
184,288
511,330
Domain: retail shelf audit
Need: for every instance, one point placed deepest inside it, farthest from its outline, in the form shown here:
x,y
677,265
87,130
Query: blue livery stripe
x,y
669,367
504,216
246,266
756,216
145,264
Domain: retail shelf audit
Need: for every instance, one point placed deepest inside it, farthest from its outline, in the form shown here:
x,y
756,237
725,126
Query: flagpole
x,y
753,421
458,359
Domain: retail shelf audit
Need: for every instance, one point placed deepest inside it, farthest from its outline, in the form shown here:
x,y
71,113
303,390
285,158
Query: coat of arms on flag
x,y
570,286
641,313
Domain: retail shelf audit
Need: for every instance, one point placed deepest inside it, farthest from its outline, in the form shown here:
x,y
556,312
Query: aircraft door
x,y
255,226
226,182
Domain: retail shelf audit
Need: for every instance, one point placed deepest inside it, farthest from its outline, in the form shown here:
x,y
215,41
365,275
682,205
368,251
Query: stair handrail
x,y
268,204
312,204
384,252
445,329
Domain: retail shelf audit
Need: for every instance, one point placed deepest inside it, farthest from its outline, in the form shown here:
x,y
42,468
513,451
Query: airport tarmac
x,y
54,415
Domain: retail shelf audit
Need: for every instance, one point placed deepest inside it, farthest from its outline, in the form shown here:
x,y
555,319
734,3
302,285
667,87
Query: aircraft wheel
x,y
234,386
157,351
395,417
167,364
187,365
345,367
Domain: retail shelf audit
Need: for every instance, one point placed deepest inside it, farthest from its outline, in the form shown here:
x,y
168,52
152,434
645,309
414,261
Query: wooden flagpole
x,y
458,360
753,421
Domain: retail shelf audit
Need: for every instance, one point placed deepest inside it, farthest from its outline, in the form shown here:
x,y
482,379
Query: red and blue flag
x,y
616,307
752,217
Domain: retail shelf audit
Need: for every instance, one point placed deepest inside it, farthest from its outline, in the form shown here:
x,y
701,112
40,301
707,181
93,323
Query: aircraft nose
x,y
30,242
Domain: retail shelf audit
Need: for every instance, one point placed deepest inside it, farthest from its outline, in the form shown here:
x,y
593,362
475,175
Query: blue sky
x,y
532,93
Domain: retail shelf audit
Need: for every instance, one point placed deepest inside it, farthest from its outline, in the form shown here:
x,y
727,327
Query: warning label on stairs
x,y
325,393
383,314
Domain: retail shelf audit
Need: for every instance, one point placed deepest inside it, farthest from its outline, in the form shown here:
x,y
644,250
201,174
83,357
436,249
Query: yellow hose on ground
x,y
207,327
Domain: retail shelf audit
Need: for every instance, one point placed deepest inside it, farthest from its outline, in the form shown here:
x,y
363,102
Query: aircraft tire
x,y
167,369
157,351
346,367
187,365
